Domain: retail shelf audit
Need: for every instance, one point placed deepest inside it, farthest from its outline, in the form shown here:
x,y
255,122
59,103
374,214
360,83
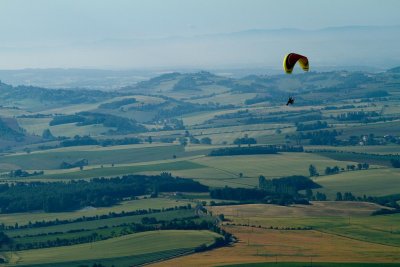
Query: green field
x,y
376,159
150,203
372,182
52,159
129,245
38,125
273,165
95,224
201,117
226,99
314,264
221,171
135,260
121,170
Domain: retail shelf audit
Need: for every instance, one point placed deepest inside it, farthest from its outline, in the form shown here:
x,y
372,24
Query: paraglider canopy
x,y
290,61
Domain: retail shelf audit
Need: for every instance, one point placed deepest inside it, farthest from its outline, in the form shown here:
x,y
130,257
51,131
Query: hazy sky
x,y
40,24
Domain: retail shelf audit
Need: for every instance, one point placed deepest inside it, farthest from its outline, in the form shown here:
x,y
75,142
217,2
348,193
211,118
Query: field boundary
x,y
357,239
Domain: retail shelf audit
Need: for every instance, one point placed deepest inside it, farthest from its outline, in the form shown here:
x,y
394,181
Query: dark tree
x,y
359,166
320,196
47,134
313,171
206,141
183,141
245,141
4,240
328,170
395,163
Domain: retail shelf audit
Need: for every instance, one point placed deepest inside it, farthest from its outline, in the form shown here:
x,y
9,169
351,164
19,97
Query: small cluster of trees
x,y
395,163
204,140
287,185
183,140
320,197
347,196
360,166
172,124
79,141
356,116
80,163
245,141
321,137
21,173
314,126
334,170
241,194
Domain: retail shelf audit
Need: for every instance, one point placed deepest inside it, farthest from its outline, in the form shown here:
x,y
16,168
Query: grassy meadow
x,y
129,245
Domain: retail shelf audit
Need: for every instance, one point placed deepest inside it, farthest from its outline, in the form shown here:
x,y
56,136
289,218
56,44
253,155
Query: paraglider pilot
x,y
290,101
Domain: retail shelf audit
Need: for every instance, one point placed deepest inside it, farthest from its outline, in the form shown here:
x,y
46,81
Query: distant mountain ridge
x,y
10,94
336,46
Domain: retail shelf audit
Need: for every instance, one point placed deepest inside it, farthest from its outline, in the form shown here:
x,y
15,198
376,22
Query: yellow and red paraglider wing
x,y
291,59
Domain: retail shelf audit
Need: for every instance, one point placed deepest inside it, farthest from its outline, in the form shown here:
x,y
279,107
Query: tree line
x,y
281,191
313,126
98,192
254,150
321,137
357,116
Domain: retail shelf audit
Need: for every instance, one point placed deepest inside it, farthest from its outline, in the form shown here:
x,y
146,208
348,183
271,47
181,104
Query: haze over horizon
x,y
196,34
